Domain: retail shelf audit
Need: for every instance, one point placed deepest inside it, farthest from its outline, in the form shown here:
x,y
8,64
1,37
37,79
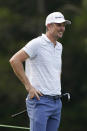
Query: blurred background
x,y
21,21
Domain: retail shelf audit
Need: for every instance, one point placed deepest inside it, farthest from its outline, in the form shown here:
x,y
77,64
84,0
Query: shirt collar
x,y
46,38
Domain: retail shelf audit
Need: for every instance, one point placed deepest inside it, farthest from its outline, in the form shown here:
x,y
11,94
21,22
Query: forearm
x,y
20,73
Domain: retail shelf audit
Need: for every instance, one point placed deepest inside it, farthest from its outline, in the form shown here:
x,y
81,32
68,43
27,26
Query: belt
x,y
53,97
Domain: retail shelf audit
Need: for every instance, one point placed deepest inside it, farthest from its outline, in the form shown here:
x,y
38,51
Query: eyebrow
x,y
60,23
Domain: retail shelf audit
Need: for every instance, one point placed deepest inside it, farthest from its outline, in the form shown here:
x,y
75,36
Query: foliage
x,y
21,21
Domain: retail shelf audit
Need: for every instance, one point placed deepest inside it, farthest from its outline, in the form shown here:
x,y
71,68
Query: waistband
x,y
53,97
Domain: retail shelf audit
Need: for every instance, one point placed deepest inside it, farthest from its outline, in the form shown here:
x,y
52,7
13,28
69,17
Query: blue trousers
x,y
44,114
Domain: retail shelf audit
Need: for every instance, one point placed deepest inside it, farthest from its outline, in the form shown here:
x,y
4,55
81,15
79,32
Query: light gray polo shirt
x,y
43,68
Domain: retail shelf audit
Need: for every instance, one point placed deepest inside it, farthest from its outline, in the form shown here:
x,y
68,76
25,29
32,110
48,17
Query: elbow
x,y
12,61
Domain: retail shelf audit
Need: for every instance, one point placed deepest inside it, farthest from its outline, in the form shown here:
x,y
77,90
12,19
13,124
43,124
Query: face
x,y
57,29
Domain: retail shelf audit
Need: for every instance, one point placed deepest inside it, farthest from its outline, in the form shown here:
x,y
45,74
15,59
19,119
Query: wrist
x,y
28,87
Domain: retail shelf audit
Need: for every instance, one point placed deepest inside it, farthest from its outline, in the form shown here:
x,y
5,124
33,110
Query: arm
x,y
17,64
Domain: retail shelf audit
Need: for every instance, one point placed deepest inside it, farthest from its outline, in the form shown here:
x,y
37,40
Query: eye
x,y
60,24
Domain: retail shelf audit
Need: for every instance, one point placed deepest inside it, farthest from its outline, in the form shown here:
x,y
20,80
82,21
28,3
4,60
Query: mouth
x,y
60,34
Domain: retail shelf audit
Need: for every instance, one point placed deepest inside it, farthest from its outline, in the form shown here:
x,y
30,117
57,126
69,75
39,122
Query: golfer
x,y
42,75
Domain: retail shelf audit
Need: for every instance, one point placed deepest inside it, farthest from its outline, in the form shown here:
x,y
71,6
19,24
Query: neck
x,y
51,38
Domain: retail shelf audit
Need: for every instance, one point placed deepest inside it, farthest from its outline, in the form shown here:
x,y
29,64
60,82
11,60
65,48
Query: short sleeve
x,y
31,48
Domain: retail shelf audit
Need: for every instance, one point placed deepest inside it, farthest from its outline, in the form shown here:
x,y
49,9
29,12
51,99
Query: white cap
x,y
56,17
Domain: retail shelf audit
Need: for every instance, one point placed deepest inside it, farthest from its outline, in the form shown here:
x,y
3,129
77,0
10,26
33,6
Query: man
x,y
42,79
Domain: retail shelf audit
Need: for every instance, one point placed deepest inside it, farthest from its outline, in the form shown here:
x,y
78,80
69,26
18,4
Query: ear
x,y
48,26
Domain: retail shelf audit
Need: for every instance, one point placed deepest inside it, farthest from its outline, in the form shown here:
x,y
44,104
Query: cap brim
x,y
64,21
67,22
